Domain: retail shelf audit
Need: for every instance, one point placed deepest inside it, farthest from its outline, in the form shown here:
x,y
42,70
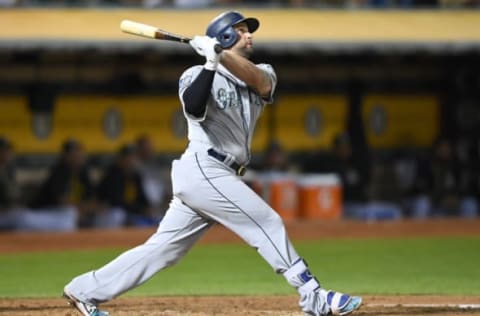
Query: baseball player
x,y
222,101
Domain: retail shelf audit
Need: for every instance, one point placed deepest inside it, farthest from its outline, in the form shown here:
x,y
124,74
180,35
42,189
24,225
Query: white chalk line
x,y
457,306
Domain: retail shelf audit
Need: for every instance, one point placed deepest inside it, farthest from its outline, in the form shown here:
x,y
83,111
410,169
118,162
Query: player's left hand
x,y
205,46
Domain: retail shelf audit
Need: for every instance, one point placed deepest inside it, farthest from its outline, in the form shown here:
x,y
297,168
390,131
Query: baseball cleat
x,y
342,304
86,309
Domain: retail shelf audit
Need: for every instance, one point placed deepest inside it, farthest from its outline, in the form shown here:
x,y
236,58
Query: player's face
x,y
244,45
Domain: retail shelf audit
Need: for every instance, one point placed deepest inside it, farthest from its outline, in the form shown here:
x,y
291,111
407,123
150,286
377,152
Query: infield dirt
x,y
242,305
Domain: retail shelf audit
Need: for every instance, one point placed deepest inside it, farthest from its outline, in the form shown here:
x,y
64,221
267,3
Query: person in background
x,y
443,188
64,195
447,190
9,190
153,179
354,175
276,159
121,192
385,194
467,154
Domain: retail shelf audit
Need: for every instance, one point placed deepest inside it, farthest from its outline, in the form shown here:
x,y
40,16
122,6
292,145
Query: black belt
x,y
239,169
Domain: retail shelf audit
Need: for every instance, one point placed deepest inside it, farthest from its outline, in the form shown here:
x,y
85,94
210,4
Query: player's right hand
x,y
205,46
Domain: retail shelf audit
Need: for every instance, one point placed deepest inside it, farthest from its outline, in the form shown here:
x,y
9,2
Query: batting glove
x,y
205,46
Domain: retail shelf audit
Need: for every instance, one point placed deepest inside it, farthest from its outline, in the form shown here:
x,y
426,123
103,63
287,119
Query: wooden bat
x,y
153,32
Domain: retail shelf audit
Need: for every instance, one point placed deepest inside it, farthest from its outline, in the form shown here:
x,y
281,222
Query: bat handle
x,y
217,48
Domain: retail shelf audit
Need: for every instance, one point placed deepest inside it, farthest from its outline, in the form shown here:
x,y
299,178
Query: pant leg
x,y
179,230
230,202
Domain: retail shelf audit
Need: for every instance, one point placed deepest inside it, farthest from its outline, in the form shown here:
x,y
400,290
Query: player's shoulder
x,y
266,67
188,75
192,70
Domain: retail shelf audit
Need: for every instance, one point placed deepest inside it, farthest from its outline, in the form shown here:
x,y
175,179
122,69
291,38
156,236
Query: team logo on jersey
x,y
184,81
227,99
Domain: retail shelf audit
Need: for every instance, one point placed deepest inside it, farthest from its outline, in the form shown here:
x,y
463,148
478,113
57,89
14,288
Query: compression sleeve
x,y
196,95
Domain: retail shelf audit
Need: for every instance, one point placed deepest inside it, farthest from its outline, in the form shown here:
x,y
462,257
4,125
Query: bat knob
x,y
217,48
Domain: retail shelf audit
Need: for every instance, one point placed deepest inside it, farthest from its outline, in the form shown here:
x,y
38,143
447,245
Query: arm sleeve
x,y
196,95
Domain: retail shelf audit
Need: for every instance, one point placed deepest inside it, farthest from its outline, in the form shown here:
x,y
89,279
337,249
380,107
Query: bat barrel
x,y
138,28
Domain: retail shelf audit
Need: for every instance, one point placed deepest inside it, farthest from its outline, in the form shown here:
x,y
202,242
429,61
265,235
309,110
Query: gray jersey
x,y
206,191
231,114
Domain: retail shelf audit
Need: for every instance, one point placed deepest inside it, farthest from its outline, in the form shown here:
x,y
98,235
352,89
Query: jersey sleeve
x,y
273,78
185,81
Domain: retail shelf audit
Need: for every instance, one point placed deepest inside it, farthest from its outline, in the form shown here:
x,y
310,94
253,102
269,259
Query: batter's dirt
x,y
243,305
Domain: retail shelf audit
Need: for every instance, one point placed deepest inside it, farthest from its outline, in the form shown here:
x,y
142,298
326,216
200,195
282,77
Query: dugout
x,y
395,79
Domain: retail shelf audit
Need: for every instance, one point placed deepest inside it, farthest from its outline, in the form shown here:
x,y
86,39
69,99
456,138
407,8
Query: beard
x,y
248,52
245,51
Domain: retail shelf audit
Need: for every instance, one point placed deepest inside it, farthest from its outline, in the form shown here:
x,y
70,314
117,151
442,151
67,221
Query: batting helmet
x,y
222,29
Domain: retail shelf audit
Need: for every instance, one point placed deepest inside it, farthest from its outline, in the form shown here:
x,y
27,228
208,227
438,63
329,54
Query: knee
x,y
172,258
274,220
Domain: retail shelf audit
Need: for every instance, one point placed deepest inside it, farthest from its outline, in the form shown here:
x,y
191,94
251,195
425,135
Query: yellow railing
x,y
276,25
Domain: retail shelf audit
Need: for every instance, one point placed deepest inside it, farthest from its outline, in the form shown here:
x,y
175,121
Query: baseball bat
x,y
153,32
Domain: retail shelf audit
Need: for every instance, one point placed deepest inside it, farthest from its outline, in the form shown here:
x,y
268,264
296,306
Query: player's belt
x,y
239,169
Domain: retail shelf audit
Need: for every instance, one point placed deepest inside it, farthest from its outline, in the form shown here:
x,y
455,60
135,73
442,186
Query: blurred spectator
x,y
459,3
182,4
195,4
469,177
418,201
415,3
9,3
191,4
391,3
354,175
153,3
385,194
153,177
63,195
406,166
54,3
276,159
122,193
441,189
386,4
9,191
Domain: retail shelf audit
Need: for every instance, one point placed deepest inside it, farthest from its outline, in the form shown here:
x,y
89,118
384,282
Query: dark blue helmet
x,y
222,29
